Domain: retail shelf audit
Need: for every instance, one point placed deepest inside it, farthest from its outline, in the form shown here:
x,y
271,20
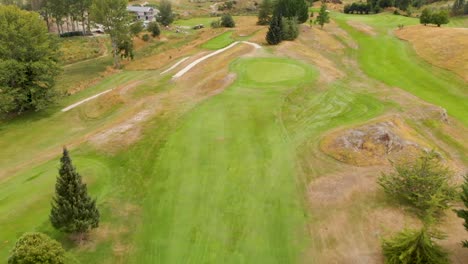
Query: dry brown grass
x,y
444,47
405,143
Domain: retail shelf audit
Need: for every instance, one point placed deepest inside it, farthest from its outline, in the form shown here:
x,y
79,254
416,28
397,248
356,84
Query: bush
x,y
415,247
423,184
153,28
145,37
290,29
37,248
227,21
216,23
440,18
136,28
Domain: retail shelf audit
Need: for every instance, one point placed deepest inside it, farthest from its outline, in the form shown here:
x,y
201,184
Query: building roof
x,y
139,9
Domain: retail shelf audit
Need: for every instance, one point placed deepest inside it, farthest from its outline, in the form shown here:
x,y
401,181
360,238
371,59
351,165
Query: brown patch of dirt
x,y
374,144
362,27
453,227
443,47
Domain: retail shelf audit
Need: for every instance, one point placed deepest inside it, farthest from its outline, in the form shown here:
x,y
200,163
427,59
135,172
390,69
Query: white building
x,y
143,13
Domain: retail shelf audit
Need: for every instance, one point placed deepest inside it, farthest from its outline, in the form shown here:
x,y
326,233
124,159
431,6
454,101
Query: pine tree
x,y
274,34
415,247
264,12
73,211
463,213
323,17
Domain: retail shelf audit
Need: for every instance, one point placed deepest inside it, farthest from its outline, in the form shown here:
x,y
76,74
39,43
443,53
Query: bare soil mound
x,y
373,144
440,46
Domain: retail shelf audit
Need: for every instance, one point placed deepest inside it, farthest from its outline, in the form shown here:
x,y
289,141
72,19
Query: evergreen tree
x,y
274,34
290,29
293,8
73,211
463,213
323,16
264,12
414,247
166,17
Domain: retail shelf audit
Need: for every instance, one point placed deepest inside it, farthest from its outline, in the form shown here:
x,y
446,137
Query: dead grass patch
x,y
440,46
375,143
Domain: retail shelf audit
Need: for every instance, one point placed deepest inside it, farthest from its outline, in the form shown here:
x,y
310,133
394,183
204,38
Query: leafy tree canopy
x,y
28,61
37,248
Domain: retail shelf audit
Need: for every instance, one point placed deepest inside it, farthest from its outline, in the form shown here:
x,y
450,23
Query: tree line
x,y
284,18
29,55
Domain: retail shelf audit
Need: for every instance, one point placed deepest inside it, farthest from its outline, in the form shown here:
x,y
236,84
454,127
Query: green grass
x,y
206,21
219,41
395,63
76,49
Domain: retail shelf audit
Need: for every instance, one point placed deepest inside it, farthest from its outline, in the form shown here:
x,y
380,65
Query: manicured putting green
x,y
267,71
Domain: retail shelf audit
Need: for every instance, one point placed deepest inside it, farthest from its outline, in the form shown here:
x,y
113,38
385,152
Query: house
x,y
143,13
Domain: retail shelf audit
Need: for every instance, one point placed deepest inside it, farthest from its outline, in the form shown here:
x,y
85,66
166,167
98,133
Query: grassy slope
x,y
392,61
219,42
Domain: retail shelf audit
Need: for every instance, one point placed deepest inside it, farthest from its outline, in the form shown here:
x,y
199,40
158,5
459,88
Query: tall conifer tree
x,y
274,34
73,211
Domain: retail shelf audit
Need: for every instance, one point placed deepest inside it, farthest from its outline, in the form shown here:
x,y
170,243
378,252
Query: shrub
x,y
136,28
227,21
153,28
357,8
423,184
290,29
216,23
37,248
425,17
415,247
145,37
463,213
440,18
74,34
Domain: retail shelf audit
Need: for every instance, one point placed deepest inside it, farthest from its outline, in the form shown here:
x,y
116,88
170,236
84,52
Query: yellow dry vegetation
x,y
444,47
379,142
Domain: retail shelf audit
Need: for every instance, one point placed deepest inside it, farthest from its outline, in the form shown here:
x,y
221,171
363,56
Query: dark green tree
x,y
323,16
36,248
73,211
264,12
227,21
153,27
166,17
28,61
422,184
274,34
290,29
293,8
113,15
463,213
426,16
440,18
136,27
414,247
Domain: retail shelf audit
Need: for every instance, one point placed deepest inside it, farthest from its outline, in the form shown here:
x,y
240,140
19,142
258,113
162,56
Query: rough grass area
x,y
219,42
448,50
403,68
76,49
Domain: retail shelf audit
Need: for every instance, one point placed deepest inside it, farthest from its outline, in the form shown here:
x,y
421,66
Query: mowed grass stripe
x,y
225,187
